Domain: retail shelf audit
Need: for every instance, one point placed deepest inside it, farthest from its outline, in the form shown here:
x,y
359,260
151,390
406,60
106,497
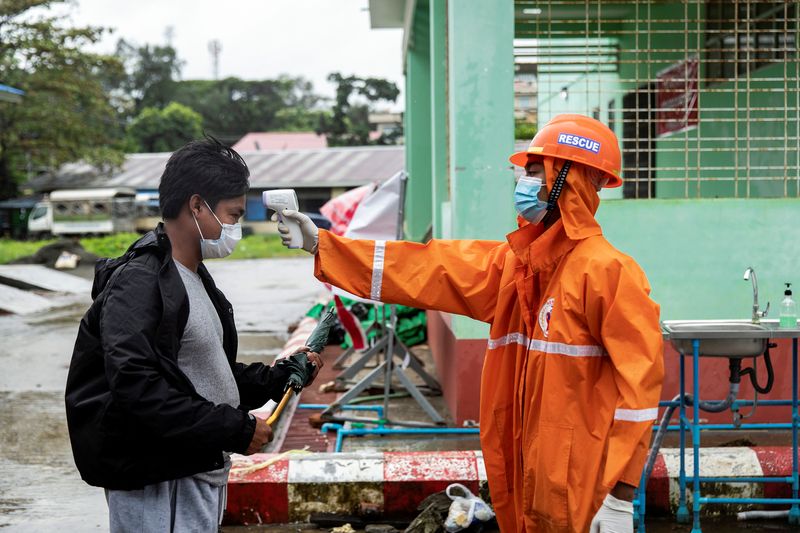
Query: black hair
x,y
205,167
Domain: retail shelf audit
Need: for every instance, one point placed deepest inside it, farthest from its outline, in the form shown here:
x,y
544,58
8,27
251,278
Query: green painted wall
x,y
440,193
695,252
480,115
419,212
480,80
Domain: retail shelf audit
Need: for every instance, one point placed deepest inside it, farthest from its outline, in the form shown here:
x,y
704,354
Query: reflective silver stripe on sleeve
x,y
377,270
636,415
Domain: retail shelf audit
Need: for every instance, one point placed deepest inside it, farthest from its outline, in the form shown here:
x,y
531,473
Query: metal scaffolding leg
x,y
344,356
401,351
397,358
350,372
340,361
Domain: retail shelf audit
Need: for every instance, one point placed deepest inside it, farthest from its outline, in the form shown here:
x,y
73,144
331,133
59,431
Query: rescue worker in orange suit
x,y
573,369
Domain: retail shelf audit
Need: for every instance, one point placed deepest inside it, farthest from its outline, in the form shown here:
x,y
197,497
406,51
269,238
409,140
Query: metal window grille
x,y
704,95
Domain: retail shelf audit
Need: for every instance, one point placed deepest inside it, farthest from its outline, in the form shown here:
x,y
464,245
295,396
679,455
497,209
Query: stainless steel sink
x,y
718,338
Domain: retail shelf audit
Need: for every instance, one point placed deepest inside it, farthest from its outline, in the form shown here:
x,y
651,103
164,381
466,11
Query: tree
x,y
151,74
164,130
232,107
524,130
348,123
66,114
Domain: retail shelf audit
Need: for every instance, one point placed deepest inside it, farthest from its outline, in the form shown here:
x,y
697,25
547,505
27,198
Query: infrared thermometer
x,y
278,200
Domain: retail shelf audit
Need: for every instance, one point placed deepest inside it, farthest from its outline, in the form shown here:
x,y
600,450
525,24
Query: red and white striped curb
x,y
391,483
774,461
278,489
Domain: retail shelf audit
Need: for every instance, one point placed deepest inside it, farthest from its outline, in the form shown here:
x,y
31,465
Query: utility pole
x,y
169,34
214,48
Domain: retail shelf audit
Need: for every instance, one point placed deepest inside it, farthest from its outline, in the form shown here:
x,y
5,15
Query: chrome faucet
x,y
757,314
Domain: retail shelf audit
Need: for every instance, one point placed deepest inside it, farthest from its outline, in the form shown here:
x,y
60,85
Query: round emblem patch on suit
x,y
544,315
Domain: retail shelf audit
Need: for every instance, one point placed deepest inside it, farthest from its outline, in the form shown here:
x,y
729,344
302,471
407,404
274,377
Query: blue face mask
x,y
526,199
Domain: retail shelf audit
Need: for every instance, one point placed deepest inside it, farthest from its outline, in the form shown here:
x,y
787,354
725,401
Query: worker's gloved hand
x,y
614,516
302,367
307,227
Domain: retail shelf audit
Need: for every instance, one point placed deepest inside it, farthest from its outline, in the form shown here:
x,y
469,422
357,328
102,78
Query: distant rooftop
x,y
276,169
260,141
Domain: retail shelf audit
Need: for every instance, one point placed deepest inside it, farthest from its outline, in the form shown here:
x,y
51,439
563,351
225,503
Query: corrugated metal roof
x,y
69,176
260,141
327,167
90,194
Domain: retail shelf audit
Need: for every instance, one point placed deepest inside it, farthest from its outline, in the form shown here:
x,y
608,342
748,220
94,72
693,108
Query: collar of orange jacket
x,y
578,202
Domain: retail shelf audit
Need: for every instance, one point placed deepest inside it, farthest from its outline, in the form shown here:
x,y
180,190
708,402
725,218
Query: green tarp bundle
x,y
411,322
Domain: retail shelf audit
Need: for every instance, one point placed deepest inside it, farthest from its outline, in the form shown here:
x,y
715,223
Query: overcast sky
x,y
260,38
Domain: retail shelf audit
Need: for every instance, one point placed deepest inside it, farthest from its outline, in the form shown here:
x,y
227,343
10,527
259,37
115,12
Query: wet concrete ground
x,y
41,491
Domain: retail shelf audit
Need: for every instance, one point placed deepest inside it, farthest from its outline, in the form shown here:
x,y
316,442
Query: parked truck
x,y
84,212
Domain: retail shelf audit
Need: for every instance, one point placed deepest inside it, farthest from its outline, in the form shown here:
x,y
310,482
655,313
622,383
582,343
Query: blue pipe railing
x,y
754,501
341,432
749,479
706,427
376,408
683,515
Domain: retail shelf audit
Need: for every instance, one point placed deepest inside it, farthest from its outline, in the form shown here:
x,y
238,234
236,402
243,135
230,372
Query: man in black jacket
x,y
155,399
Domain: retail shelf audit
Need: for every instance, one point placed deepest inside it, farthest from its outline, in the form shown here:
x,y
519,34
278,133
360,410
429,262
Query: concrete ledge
x,y
266,488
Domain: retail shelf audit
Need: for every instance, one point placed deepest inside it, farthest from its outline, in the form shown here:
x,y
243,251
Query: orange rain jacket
x,y
573,369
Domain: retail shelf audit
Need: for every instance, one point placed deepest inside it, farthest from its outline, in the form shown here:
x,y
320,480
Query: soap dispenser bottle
x,y
788,309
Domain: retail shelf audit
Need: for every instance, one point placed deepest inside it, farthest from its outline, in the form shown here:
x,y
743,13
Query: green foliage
x,y
232,107
164,130
109,245
250,247
262,246
150,73
348,124
66,113
11,249
524,130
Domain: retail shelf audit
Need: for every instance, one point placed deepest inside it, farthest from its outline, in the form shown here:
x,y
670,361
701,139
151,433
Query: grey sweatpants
x,y
179,505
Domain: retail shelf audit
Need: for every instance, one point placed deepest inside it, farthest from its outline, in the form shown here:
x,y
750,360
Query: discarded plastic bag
x,y
465,510
67,261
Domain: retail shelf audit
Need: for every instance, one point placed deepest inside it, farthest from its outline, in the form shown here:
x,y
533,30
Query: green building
x,y
703,95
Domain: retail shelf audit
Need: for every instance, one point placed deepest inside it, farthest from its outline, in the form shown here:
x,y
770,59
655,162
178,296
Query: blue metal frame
x,y
696,479
355,407
341,432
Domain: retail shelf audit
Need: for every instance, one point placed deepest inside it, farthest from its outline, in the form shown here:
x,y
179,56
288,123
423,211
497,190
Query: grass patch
x,y
109,245
262,246
11,249
250,247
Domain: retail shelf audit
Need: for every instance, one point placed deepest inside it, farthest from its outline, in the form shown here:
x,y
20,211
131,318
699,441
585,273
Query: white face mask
x,y
223,246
